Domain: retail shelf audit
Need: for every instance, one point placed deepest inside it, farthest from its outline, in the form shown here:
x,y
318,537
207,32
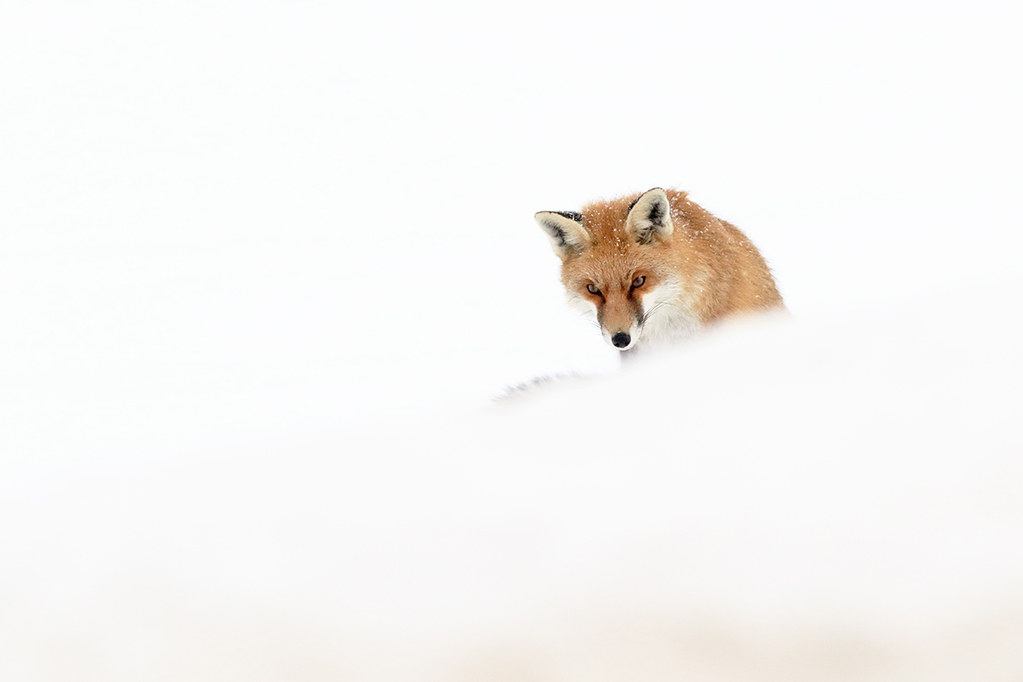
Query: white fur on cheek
x,y
667,317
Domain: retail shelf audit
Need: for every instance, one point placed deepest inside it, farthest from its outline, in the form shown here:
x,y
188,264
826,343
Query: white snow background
x,y
264,265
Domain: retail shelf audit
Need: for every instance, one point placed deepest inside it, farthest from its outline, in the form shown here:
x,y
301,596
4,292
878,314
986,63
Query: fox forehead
x,y
605,220
606,264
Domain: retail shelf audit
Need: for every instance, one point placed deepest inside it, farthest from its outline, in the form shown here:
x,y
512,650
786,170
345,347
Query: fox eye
x,y
638,282
592,288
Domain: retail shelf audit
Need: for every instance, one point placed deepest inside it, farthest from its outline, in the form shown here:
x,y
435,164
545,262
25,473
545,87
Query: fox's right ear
x,y
566,232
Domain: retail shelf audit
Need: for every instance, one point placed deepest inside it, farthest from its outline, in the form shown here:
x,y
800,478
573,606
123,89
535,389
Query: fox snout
x,y
622,339
620,318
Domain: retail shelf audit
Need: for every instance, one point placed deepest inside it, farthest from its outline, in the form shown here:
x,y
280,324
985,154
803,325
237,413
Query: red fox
x,y
656,267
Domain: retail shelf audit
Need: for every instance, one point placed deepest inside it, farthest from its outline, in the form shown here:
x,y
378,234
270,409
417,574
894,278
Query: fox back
x,y
656,267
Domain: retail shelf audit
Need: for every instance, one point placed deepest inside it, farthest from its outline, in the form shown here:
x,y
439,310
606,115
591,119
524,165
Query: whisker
x,y
660,304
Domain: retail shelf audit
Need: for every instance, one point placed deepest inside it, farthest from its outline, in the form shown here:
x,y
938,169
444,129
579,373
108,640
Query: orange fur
x,y
716,267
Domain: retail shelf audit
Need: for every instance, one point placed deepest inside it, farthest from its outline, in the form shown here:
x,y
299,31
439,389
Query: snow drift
x,y
783,499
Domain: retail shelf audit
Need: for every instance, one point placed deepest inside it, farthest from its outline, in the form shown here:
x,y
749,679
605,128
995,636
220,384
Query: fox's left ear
x,y
650,217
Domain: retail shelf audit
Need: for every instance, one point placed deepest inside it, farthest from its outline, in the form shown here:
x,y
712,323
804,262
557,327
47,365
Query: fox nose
x,y
620,340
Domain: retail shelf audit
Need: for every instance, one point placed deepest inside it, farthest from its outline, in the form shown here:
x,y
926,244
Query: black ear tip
x,y
635,201
571,215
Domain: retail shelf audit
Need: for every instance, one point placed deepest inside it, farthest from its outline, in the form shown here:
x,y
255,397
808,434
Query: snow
x,y
264,266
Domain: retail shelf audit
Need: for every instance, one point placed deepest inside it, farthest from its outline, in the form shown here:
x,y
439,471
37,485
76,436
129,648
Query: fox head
x,y
616,263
